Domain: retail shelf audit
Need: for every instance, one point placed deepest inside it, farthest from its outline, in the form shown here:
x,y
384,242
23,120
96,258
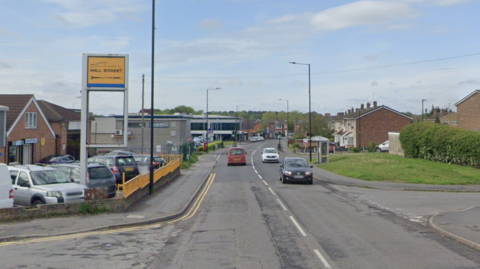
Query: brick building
x,y
468,111
276,127
30,137
251,127
369,124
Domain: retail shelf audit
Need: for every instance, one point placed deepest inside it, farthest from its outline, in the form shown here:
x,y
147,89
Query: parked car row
x,y
256,138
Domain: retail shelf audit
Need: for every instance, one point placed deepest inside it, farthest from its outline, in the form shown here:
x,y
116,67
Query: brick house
x,y
251,127
369,124
276,127
468,111
30,137
66,124
450,119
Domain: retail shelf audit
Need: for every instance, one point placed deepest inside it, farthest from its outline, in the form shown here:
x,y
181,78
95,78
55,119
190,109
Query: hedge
x,y
441,143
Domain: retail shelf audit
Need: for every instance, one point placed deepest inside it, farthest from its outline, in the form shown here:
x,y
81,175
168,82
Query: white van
x,y
6,188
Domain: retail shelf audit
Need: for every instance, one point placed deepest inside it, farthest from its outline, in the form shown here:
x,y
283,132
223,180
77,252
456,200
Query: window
x,y
31,120
22,179
446,122
13,175
350,141
455,122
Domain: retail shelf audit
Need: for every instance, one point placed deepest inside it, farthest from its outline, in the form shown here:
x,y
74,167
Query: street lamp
x,y
150,189
236,116
423,100
309,107
287,112
206,151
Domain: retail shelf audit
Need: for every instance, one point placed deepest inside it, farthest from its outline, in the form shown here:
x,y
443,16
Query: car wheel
x,y
283,180
378,150
37,202
310,182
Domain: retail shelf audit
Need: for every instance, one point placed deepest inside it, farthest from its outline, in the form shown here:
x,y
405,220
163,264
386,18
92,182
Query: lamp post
x,y
287,112
150,190
236,116
423,100
309,108
206,151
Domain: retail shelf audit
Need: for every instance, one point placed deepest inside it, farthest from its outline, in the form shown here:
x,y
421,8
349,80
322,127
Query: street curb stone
x,y
431,223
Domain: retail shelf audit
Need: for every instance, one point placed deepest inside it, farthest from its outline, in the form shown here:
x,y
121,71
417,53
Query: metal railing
x,y
143,180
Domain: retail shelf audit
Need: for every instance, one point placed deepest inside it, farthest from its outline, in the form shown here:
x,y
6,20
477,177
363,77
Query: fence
x,y
143,180
184,149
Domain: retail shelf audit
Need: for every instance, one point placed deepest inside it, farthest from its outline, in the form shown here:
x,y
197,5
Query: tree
x,y
270,115
437,120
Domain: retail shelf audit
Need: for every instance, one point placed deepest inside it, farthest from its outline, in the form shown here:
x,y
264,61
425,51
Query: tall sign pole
x,y
152,127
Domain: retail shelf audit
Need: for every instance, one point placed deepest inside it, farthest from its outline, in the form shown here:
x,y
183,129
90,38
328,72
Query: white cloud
x,y
362,13
5,65
440,2
371,57
255,83
374,83
210,25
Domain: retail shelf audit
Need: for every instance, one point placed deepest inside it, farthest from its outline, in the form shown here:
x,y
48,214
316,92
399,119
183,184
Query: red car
x,y
331,147
237,156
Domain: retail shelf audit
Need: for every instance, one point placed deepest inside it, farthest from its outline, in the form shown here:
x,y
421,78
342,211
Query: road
x,y
247,218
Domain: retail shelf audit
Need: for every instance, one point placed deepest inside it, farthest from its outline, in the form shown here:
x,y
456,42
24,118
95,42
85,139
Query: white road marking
x,y
280,202
256,172
260,176
270,189
135,216
218,157
298,226
264,182
320,256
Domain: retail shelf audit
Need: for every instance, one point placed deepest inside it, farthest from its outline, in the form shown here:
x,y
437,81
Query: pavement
x,y
174,199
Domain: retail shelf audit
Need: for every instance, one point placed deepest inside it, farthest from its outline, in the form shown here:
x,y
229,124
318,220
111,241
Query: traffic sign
x,y
267,130
106,71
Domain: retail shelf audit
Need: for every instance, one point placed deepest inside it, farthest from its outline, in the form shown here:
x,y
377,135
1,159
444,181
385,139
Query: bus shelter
x,y
322,148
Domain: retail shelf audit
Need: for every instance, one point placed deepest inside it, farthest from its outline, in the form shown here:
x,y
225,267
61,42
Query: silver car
x,y
34,185
270,155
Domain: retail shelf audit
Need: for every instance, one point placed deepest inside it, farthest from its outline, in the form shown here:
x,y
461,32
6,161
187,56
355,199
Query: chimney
x,y
444,111
368,105
374,104
349,111
362,106
340,114
356,109
327,115
434,112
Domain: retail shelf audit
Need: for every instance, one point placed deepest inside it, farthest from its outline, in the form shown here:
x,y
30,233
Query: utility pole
x,y
143,112
423,100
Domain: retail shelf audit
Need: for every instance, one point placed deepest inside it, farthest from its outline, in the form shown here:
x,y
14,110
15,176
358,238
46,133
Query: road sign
x,y
106,72
267,131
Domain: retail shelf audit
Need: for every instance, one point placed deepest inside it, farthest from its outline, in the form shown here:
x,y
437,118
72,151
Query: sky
x,y
396,52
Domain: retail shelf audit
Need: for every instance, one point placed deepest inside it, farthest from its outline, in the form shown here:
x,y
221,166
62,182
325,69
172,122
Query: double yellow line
x,y
198,202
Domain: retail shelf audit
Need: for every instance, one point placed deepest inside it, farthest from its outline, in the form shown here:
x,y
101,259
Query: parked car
x,y
34,185
237,155
118,165
51,159
254,138
383,147
6,187
98,176
270,155
120,153
331,147
296,170
260,138
143,162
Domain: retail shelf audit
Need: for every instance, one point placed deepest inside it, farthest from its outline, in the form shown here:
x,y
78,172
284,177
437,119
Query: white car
x,y
270,155
253,138
260,138
6,187
383,147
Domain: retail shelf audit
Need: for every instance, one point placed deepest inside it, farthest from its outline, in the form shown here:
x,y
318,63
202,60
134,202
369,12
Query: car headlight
x,y
308,173
54,194
288,173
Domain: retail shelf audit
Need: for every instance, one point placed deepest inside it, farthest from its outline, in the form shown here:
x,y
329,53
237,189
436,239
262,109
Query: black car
x,y
98,176
118,165
296,170
52,159
144,161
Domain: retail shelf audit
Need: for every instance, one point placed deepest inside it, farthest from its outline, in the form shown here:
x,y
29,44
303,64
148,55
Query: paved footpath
x,y
166,201
462,225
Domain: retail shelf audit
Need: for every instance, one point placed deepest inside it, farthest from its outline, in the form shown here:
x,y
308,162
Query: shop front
x,y
22,151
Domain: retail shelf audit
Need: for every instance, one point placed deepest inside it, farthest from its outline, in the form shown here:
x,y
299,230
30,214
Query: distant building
x,y
468,111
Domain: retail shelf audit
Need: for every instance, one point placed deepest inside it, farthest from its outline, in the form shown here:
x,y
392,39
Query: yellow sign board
x,y
106,72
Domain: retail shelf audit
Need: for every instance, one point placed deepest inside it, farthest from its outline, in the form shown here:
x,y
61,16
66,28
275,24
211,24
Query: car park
x,y
34,185
143,162
118,165
98,176
384,147
237,155
6,187
52,159
270,155
296,170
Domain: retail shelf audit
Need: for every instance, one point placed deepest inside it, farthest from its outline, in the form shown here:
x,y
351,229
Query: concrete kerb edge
x,y
431,223
123,225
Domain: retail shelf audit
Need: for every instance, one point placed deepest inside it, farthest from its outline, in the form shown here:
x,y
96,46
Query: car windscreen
x,y
50,159
270,151
141,158
296,163
46,177
126,161
159,159
236,152
99,173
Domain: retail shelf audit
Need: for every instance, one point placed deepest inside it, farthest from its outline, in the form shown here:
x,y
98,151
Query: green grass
x,y
391,168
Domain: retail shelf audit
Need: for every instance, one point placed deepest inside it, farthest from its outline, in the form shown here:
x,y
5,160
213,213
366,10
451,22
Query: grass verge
x,y
391,168
187,164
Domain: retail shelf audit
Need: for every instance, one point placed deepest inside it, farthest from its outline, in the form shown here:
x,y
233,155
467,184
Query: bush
x,y
372,147
355,150
441,143
298,136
